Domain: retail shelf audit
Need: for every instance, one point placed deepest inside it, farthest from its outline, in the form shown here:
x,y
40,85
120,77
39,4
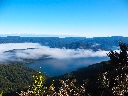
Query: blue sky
x,y
88,18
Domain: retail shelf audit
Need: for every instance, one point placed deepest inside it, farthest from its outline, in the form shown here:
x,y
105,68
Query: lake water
x,y
56,67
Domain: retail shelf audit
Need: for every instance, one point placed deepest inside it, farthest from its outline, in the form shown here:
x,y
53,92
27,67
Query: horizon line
x,y
48,35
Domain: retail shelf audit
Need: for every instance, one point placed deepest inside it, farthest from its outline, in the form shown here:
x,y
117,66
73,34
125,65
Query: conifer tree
x,y
114,80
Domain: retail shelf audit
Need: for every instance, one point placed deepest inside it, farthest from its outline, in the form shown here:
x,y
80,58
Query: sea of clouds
x,y
39,51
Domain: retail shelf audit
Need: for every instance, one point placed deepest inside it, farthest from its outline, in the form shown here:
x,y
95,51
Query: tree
x,y
115,79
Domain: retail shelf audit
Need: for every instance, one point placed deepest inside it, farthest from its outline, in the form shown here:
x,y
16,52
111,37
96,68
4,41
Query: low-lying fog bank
x,y
20,51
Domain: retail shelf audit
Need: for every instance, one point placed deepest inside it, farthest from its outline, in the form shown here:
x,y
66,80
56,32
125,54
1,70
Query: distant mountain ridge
x,y
95,43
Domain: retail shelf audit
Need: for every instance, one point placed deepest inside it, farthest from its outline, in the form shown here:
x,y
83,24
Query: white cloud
x,y
40,51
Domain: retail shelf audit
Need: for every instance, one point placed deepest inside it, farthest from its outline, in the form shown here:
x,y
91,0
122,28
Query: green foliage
x,y
67,88
37,86
15,76
1,93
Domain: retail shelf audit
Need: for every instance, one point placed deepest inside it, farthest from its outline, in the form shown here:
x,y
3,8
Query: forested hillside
x,y
15,77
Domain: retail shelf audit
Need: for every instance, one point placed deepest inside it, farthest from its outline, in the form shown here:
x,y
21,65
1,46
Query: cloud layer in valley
x,y
17,51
